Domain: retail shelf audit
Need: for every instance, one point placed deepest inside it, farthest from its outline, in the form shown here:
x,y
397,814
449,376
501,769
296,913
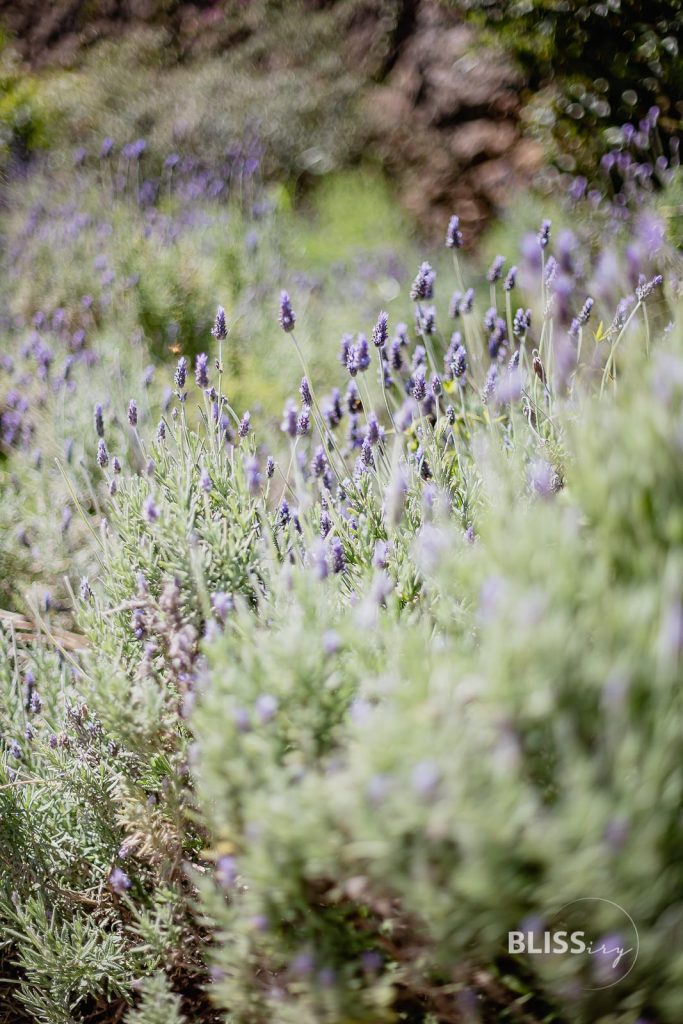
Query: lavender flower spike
x,y
454,234
287,317
219,329
102,454
99,420
380,332
181,373
133,413
201,375
423,285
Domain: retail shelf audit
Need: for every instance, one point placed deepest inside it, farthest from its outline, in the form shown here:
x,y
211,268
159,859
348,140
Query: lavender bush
x,y
352,699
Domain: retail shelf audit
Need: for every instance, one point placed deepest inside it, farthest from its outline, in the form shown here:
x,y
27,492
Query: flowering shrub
x,y
348,710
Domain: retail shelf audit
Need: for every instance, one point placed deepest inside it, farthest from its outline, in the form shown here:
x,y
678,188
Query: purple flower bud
x,y
252,474
305,392
102,454
436,386
453,234
133,413
219,329
287,317
245,424
510,279
585,313
337,558
496,269
521,322
15,750
419,389
423,285
181,373
201,375
544,234
283,516
99,421
380,332
303,424
161,432
270,467
205,481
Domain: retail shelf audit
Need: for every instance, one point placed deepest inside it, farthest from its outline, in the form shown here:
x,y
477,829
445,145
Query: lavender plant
x,y
350,705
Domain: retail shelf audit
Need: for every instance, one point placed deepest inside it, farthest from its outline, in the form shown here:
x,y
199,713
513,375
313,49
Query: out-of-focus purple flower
x,y
133,413
544,234
266,707
205,481
287,316
454,234
226,871
521,322
252,474
106,147
102,453
289,419
150,510
15,750
337,559
99,421
495,270
201,375
222,605
119,881
510,279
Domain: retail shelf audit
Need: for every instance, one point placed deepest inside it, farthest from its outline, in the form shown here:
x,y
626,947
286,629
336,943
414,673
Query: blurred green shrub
x,y
596,64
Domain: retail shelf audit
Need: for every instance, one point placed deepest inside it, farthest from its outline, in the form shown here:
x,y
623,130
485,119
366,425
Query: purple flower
x,y
289,419
303,424
454,234
245,424
495,270
252,474
337,558
510,279
585,313
99,421
161,432
150,510
180,375
544,234
133,413
201,375
270,467
15,750
266,707
436,386
219,329
86,589
287,317
419,389
205,481
102,453
106,148
521,322
119,881
226,871
423,285
305,392
380,332
222,605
